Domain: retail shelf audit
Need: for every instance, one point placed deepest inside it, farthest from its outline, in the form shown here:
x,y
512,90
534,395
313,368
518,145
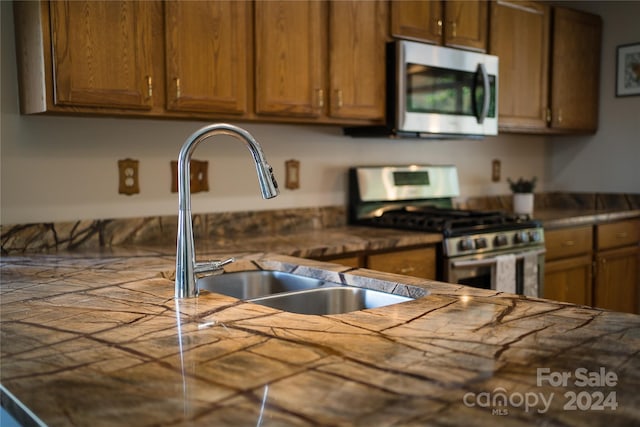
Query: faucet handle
x,y
210,266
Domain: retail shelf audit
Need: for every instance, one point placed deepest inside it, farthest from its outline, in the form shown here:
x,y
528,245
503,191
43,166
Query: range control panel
x,y
502,241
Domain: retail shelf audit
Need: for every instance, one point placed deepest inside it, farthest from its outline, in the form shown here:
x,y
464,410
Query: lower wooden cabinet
x,y
350,261
569,280
419,262
416,262
595,265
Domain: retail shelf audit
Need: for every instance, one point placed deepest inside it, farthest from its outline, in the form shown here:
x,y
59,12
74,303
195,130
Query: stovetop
x,y
450,222
420,198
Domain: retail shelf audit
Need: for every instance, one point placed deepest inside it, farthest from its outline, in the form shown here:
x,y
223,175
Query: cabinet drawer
x,y
617,234
349,261
419,262
568,241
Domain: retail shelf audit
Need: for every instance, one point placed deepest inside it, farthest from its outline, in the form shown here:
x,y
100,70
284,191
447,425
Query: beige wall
x,y
608,161
65,168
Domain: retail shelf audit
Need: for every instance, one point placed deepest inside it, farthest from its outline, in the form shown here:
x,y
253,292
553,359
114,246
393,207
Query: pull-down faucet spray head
x,y
185,285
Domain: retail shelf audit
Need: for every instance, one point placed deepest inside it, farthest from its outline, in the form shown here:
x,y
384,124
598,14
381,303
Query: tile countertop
x,y
100,340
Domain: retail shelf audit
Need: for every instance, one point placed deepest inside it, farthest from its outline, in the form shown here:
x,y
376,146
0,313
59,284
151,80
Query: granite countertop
x,y
100,340
560,218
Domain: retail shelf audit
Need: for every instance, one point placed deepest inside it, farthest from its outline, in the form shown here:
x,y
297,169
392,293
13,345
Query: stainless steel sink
x,y
257,283
296,294
330,300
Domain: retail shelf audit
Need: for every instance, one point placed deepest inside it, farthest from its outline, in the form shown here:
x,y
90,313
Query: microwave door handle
x,y
482,114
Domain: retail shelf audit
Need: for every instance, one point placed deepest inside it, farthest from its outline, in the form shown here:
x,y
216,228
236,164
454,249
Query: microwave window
x,y
446,91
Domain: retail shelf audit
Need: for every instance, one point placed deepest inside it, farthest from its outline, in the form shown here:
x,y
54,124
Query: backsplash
x,y
558,200
162,230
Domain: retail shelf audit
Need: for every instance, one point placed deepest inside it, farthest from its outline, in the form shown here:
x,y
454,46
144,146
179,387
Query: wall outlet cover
x,y
128,177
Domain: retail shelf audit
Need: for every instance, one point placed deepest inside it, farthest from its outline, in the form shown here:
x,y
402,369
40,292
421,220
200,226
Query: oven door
x,y
479,271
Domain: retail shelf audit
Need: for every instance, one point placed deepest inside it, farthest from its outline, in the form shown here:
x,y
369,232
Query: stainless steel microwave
x,y
438,92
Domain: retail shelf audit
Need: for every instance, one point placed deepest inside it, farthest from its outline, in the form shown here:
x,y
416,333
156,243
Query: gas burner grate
x,y
448,221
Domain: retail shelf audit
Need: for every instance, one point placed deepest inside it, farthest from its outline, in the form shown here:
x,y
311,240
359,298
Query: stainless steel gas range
x,y
485,249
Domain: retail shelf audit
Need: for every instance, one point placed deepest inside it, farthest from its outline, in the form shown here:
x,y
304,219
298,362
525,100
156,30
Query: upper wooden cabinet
x,y
549,67
208,55
84,53
454,23
300,72
94,67
519,36
357,37
290,58
575,74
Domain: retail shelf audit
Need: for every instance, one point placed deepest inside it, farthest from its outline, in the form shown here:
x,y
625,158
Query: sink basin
x,y
257,283
330,300
296,294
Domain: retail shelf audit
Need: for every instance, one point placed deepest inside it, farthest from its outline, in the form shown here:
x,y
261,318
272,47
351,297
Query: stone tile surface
x,y
100,341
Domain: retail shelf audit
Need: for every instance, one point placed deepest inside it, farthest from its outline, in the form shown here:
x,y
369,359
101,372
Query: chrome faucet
x,y
186,266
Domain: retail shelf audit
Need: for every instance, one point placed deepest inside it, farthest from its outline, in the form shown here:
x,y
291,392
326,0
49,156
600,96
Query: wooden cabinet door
x,y
465,24
357,37
417,20
290,57
519,35
102,53
208,51
617,280
569,280
575,78
419,262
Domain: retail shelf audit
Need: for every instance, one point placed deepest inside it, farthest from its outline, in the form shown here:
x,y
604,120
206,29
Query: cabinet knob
x,y
439,25
339,97
406,270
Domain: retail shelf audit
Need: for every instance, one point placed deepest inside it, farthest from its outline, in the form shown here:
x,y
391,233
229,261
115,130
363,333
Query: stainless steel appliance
x,y
435,91
477,245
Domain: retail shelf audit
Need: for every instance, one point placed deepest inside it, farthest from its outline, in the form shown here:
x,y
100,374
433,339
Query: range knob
x,y
466,244
534,236
500,240
521,237
481,243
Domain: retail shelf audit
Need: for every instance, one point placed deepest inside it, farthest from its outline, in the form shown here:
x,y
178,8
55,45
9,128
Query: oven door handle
x,y
490,261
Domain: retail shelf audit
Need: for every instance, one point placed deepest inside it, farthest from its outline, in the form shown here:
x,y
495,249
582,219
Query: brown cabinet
x,y
569,280
569,264
302,72
201,59
617,266
549,67
357,37
416,262
290,58
420,262
595,265
208,56
575,74
454,23
84,54
519,36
